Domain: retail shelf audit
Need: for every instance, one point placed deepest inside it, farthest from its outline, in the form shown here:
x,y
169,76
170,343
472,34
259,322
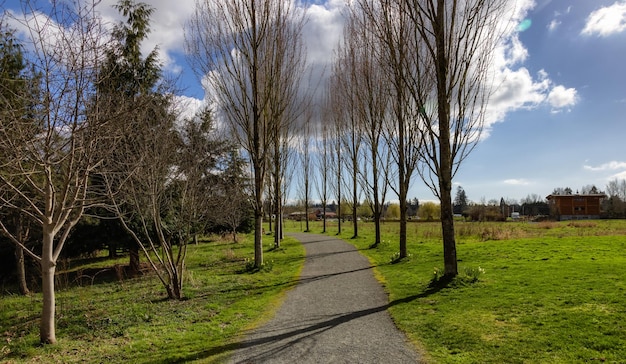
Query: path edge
x,y
268,314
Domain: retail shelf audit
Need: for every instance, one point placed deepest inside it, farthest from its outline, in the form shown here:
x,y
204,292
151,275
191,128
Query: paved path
x,y
336,314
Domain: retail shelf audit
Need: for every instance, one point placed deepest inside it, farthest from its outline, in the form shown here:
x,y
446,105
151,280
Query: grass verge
x,y
132,321
550,292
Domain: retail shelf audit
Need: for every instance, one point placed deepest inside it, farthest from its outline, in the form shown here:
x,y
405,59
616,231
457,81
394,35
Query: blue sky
x,y
557,120
538,148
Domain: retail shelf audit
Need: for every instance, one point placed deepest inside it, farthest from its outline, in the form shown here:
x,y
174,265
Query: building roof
x,y
599,195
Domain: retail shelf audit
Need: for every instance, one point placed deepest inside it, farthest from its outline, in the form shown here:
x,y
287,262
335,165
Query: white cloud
x,y
166,24
553,25
323,31
607,20
517,182
188,106
609,166
618,176
561,97
515,88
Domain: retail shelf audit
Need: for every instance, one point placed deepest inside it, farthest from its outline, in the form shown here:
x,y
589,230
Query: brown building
x,y
574,207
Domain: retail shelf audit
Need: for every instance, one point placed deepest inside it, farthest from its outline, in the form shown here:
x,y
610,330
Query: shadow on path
x,y
300,330
305,331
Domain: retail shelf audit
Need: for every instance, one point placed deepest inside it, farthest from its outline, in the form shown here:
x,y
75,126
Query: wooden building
x,y
575,207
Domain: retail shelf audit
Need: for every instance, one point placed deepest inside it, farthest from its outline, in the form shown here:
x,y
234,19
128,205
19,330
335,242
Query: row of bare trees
x,y
251,54
409,88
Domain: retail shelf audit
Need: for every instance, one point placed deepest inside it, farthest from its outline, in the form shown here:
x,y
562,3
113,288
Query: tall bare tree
x,y
242,47
454,42
371,94
334,114
391,28
345,79
286,108
51,154
306,165
323,165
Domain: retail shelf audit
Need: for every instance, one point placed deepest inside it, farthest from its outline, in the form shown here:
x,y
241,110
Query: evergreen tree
x,y
460,201
127,83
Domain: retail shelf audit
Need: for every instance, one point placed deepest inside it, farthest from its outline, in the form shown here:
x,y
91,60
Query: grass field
x,y
131,321
550,292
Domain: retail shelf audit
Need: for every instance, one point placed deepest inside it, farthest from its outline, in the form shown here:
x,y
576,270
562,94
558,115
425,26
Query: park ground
x,y
548,292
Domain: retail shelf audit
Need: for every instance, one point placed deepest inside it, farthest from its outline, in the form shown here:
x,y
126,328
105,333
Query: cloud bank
x,y
607,20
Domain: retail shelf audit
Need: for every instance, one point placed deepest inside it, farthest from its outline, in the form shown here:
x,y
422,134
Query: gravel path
x,y
336,314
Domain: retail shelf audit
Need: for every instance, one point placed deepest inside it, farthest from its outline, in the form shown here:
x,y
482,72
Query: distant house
x,y
575,207
329,214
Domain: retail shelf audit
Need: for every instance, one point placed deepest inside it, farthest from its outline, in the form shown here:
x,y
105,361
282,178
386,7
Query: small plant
x,y
395,257
471,274
437,274
468,275
250,267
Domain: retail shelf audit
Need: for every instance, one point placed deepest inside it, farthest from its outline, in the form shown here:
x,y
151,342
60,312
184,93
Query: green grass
x,y
132,321
551,292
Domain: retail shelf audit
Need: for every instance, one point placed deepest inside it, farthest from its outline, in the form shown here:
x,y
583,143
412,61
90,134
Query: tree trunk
x,y
21,270
112,250
445,152
258,239
324,216
376,197
281,222
278,199
174,289
258,214
339,213
402,172
47,333
355,202
270,209
447,228
134,264
403,248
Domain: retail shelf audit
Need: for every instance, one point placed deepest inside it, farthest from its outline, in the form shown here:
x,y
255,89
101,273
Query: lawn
x,y
550,292
131,321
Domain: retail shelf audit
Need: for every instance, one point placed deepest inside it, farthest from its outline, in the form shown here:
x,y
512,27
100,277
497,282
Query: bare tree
x,y
333,115
51,154
305,170
390,25
243,48
323,165
148,192
371,94
617,188
453,43
231,201
345,79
